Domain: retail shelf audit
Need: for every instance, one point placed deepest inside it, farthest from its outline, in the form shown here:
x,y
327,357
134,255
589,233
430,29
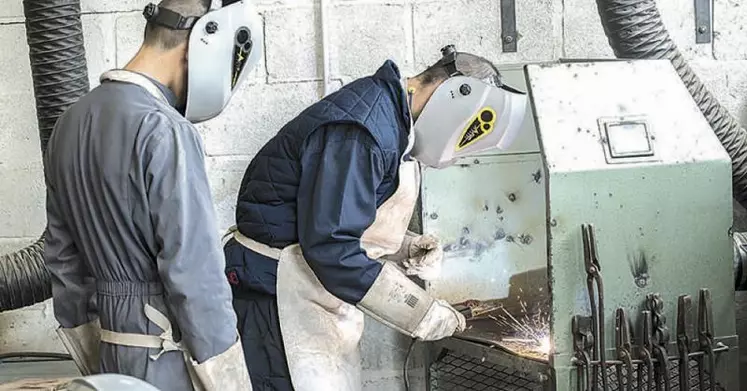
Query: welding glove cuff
x,y
226,371
82,342
399,303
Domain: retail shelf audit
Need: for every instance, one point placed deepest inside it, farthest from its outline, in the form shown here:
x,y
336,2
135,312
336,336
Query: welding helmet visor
x,y
466,115
224,46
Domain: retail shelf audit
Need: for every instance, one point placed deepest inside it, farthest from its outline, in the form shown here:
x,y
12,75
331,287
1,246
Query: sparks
x,y
545,346
527,332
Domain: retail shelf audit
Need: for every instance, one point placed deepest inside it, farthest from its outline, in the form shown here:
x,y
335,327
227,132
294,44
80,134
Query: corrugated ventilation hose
x,y
635,31
58,66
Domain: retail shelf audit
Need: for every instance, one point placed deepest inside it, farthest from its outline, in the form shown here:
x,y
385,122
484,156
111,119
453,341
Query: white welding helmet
x,y
225,45
466,115
108,382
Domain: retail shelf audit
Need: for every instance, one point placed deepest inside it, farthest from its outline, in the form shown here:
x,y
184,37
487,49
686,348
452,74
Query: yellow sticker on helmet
x,y
478,127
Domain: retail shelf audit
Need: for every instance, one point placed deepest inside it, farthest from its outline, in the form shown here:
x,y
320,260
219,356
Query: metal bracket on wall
x,y
508,26
703,21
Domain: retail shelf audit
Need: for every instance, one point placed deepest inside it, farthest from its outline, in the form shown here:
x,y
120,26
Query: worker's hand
x,y
424,257
441,321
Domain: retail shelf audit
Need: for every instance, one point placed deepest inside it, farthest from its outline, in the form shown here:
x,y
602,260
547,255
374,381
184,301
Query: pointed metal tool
x,y
646,349
622,342
684,337
705,338
476,309
593,277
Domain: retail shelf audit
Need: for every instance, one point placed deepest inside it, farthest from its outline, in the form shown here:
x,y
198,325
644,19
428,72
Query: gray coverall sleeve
x,y
190,261
73,287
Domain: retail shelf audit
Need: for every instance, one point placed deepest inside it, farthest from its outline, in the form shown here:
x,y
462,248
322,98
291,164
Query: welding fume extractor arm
x,y
419,255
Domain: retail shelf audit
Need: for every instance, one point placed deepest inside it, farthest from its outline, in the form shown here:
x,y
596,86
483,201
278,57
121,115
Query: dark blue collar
x,y
389,72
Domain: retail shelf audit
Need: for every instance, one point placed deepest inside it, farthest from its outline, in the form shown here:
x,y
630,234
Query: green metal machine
x,y
605,230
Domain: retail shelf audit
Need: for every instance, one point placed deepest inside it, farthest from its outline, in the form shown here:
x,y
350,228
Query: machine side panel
x,y
661,214
490,215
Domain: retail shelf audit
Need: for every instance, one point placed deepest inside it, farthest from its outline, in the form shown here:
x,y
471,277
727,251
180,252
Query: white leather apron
x,y
321,333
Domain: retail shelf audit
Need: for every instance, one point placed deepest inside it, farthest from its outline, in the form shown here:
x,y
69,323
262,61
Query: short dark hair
x,y
466,63
165,38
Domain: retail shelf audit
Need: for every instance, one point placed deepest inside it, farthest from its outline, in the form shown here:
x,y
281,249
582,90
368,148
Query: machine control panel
x,y
627,140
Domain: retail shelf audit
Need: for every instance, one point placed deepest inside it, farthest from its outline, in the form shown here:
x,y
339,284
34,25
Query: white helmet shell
x,y
225,45
109,382
464,116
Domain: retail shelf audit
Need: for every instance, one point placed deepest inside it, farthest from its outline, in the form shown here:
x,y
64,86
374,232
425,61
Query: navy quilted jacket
x,y
267,207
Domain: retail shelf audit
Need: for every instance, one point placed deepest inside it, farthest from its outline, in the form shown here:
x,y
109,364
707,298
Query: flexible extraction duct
x,y
58,65
635,31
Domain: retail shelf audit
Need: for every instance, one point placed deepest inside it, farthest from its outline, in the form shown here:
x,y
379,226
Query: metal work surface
x,y
31,370
458,364
627,151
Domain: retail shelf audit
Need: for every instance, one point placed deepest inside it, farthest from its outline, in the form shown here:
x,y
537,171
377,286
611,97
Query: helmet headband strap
x,y
168,18
449,60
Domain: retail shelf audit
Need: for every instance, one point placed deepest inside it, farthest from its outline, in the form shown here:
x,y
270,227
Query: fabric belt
x,y
164,341
251,244
129,288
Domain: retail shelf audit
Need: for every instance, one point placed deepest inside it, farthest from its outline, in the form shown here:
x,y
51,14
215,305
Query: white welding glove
x,y
420,255
400,303
441,321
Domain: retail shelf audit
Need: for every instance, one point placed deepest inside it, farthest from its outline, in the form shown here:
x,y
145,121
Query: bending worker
x,y
132,243
333,192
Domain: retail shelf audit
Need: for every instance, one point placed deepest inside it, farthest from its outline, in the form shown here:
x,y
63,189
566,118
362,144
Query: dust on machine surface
x,y
581,254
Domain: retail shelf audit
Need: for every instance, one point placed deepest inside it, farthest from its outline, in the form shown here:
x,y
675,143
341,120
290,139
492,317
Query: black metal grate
x,y
454,372
674,383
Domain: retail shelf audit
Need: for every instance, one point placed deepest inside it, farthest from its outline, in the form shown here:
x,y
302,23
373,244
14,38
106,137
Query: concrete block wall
x,y
362,35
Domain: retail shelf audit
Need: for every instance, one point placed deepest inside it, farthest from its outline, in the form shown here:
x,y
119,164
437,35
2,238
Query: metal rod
x,y
600,289
705,333
594,332
684,336
640,377
663,368
623,347
593,275
646,348
720,349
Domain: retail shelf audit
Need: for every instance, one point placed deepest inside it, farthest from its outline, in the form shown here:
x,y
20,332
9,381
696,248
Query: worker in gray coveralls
x,y
132,243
